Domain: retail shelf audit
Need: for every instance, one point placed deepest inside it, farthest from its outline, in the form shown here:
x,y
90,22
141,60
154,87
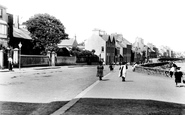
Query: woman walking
x,y
172,70
100,70
111,67
178,76
10,63
122,71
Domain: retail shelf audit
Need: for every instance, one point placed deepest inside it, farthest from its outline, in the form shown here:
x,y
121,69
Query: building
x,y
68,43
124,48
103,44
3,27
138,47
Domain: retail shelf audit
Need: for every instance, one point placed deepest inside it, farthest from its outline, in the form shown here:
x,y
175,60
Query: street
x,y
44,85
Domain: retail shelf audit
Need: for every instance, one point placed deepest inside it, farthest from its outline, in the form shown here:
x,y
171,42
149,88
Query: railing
x,y
35,60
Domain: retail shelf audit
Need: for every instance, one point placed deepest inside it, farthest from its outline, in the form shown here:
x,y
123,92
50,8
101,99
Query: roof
x,y
121,40
3,6
67,42
106,37
21,33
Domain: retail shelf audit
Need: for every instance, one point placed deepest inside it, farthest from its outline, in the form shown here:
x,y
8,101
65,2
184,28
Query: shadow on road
x,y
105,80
128,81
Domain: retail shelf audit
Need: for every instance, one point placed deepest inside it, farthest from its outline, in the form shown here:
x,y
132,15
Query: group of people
x,y
122,70
175,70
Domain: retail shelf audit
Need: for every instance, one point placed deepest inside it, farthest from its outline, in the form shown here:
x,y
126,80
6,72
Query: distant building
x,y
68,43
123,47
81,45
138,47
103,44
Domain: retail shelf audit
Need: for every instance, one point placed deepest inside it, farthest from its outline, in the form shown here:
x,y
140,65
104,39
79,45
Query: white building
x,y
103,44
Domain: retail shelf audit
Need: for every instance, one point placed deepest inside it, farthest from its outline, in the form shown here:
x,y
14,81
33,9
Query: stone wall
x,y
63,60
153,71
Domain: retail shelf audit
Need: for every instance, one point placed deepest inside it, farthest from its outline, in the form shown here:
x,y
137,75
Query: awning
x,y
3,22
21,33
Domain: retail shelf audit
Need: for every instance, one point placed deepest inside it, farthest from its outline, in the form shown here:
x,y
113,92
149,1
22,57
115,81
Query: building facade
x,y
3,27
103,44
125,48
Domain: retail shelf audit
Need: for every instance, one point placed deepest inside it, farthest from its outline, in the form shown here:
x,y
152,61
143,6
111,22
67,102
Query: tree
x,y
46,32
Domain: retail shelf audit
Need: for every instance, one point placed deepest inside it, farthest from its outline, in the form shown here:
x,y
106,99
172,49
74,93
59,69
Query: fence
x,y
35,60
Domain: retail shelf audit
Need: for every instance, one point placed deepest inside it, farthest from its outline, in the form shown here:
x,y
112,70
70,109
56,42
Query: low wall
x,y
65,60
151,71
34,60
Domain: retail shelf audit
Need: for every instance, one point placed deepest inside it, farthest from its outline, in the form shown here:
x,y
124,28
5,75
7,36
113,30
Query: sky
x,y
161,22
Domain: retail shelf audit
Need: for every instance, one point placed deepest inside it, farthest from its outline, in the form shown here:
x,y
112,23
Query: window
x,y
3,29
102,49
1,13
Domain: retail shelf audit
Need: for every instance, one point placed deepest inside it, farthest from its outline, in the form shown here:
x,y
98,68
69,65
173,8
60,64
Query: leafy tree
x,y
46,32
75,51
63,52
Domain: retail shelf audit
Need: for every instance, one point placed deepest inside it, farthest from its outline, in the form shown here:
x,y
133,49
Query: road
x,y
44,85
137,86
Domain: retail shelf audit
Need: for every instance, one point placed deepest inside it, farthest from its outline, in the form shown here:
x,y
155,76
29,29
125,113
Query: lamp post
x,y
20,45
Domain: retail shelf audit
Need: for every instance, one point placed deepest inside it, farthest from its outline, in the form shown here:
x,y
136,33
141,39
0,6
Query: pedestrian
x,y
10,63
178,76
100,70
134,66
122,71
111,67
172,70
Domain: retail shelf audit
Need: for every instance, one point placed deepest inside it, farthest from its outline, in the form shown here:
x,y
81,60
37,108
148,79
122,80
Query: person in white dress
x,y
122,71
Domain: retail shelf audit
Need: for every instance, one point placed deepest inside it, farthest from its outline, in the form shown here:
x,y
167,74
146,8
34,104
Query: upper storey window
x,y
1,13
3,29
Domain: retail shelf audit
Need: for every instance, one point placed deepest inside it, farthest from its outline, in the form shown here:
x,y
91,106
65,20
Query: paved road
x,y
45,84
137,86
64,83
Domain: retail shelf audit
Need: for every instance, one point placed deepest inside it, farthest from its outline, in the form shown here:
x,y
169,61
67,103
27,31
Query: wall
x,y
151,71
61,60
34,60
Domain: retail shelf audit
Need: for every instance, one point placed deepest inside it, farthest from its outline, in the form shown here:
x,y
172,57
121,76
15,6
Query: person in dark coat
x,y
178,76
111,67
100,70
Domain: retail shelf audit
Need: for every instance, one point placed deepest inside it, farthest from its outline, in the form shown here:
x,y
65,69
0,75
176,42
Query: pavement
x,y
136,86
